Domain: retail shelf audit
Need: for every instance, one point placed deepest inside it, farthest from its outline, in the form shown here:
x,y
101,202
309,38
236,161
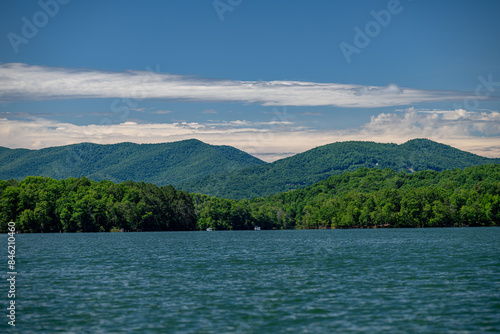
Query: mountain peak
x,y
324,161
164,163
225,171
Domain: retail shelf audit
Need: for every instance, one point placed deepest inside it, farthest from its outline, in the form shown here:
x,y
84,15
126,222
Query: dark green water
x,y
328,281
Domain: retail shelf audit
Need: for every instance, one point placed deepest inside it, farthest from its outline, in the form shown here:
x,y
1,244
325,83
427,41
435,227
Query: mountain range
x,y
162,164
317,164
225,171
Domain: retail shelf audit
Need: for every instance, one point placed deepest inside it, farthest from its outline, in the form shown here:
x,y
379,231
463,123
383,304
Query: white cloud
x,y
161,112
22,81
308,113
477,132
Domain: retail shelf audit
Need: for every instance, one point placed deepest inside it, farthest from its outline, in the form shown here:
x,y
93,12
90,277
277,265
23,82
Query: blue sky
x,y
269,77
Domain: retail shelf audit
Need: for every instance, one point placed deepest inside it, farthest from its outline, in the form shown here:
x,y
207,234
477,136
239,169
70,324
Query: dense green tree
x,y
362,199
305,169
161,164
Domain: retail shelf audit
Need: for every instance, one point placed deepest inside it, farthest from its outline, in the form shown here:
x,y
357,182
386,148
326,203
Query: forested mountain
x,y
319,163
224,171
385,198
41,204
364,198
167,163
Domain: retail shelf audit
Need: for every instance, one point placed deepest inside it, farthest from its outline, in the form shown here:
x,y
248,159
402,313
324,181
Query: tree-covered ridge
x,y
374,197
224,171
41,204
167,163
363,198
322,162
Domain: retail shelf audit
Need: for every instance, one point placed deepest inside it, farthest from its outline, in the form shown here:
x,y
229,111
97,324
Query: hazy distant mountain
x,y
167,163
319,163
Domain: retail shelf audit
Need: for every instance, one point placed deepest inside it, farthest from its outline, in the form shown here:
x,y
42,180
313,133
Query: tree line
x,y
365,198
320,163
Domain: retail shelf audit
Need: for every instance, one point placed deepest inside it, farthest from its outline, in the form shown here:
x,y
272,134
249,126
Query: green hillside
x,y
322,162
367,198
224,171
385,198
167,163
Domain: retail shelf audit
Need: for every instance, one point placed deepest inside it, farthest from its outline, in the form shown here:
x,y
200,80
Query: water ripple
x,y
373,281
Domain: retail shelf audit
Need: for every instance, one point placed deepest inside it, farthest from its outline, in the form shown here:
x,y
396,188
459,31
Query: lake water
x,y
316,281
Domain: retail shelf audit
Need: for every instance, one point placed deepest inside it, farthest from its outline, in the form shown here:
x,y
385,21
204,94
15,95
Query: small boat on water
x,y
209,229
257,228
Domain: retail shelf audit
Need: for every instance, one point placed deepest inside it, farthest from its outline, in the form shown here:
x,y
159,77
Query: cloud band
x,y
26,82
477,132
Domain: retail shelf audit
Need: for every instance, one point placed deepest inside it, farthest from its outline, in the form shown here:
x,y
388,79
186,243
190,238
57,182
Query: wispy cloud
x,y
209,111
31,115
26,82
477,132
308,113
161,112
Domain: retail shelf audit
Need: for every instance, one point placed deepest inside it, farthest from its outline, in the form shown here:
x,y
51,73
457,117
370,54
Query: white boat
x,y
209,229
257,228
